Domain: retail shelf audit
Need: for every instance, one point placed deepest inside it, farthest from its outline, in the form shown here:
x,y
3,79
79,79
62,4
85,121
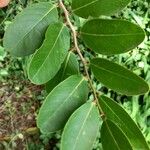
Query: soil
x,y
18,107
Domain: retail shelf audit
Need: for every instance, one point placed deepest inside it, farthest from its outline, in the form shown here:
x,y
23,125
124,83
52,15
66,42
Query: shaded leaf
x,y
47,60
113,138
120,118
81,129
61,103
109,37
68,68
29,28
118,78
95,8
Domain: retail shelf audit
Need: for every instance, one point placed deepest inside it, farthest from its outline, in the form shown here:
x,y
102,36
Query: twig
x,y
29,131
74,33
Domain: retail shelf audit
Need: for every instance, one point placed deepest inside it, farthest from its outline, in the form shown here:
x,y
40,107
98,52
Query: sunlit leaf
x,y
118,78
120,118
109,37
47,60
61,103
27,31
81,129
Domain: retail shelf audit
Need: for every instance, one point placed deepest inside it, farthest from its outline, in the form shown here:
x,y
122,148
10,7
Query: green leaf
x,y
47,60
27,31
119,116
96,8
113,138
2,53
61,103
109,37
81,129
118,78
68,68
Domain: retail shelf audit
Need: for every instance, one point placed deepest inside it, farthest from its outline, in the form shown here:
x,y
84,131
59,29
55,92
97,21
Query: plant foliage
x,y
40,32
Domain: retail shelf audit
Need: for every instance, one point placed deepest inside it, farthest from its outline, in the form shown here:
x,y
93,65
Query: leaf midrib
x,y
111,35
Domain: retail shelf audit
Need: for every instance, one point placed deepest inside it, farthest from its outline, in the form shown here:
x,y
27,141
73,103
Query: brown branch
x,y
74,34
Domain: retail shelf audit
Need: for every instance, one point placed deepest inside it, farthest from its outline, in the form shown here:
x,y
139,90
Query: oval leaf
x,y
47,60
29,28
109,37
61,103
97,7
120,117
113,138
69,67
81,129
118,78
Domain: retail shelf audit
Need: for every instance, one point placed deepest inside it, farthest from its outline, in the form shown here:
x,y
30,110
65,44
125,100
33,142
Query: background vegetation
x,y
20,100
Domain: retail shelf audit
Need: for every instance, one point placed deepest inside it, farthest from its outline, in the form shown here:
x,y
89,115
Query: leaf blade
x,y
113,138
61,102
118,78
109,37
81,130
30,28
50,55
119,116
97,7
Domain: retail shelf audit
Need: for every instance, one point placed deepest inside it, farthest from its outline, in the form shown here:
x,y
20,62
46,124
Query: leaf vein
x,y
109,35
85,5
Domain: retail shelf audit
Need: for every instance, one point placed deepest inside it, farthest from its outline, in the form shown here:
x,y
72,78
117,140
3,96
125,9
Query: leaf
x,y
119,116
113,138
68,68
96,8
109,37
47,60
118,78
29,28
81,129
61,103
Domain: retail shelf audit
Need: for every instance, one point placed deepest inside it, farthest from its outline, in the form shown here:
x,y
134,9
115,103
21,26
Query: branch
x,y
74,34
